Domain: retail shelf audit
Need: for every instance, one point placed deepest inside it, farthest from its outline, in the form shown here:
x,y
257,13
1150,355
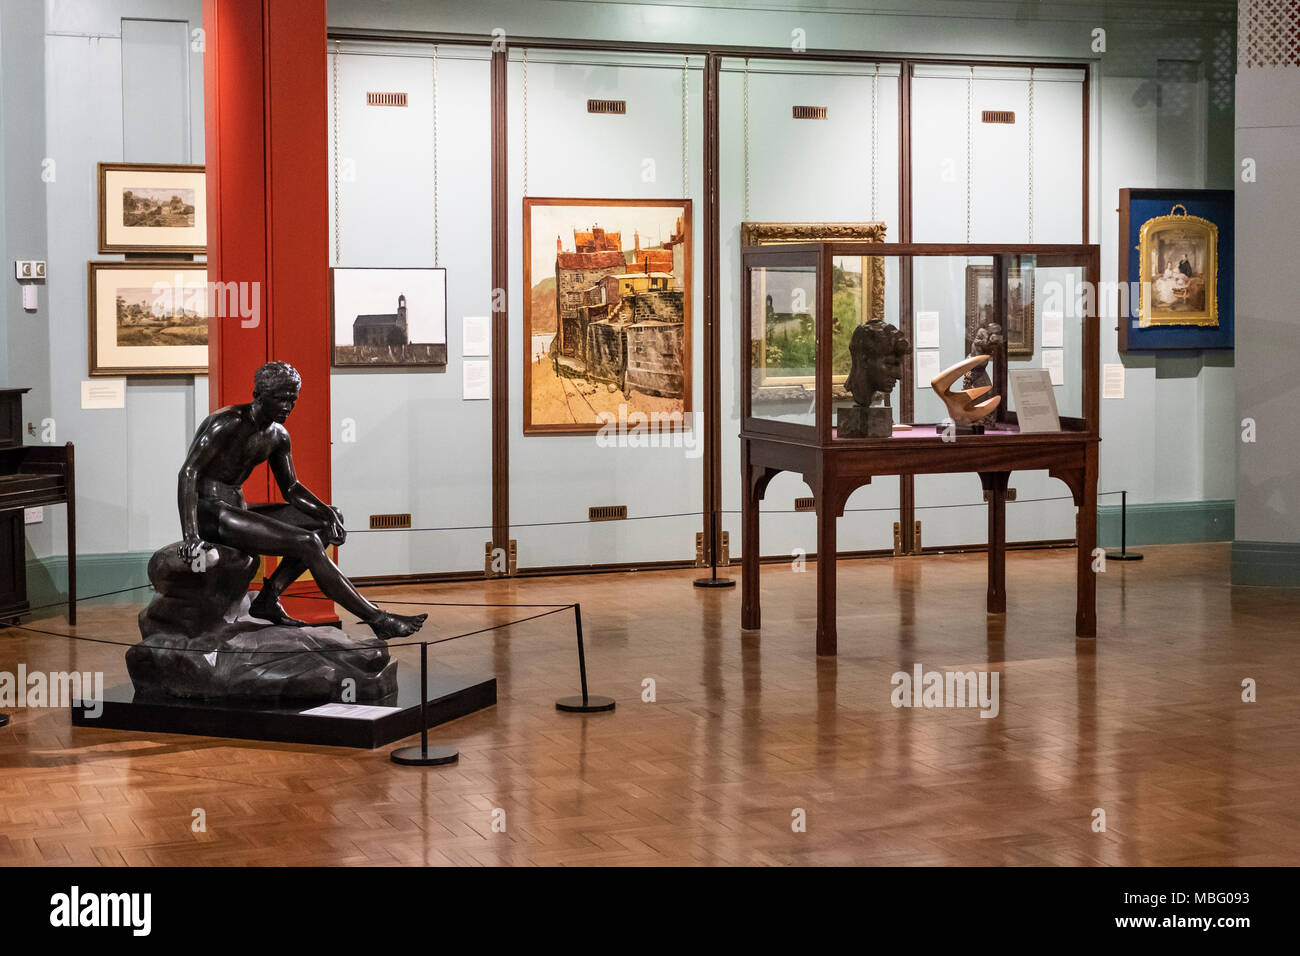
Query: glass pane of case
x,y
1051,297
863,288
952,300
783,343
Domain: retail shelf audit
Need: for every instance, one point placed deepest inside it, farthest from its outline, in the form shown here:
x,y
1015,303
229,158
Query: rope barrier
x,y
695,514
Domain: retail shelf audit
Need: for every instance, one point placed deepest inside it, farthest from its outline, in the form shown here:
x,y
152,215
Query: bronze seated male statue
x,y
230,443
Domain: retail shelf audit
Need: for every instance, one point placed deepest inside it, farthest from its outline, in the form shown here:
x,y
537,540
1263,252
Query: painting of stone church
x,y
607,311
389,318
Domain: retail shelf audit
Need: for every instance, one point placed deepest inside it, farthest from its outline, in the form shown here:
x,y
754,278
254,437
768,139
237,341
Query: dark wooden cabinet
x,y
13,566
30,476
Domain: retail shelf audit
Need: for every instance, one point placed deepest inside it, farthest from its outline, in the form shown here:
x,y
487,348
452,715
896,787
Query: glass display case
x,y
825,337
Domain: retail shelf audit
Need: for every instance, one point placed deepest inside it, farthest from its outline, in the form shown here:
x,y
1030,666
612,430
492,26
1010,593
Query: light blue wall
x,y
1267,546
1169,440
69,97
112,81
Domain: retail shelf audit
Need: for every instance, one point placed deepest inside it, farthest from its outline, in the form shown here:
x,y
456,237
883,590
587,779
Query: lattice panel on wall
x,y
1269,33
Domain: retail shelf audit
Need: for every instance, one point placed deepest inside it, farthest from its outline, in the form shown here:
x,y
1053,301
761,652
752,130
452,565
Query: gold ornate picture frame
x,y
872,271
1178,270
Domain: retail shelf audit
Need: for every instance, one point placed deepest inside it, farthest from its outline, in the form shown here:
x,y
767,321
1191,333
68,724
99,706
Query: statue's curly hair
x,y
273,375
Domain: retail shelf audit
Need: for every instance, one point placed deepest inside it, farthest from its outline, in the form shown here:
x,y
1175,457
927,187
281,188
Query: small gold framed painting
x,y
1179,263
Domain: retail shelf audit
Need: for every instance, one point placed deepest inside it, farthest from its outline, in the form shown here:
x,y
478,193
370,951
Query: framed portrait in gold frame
x,y
1178,270
859,296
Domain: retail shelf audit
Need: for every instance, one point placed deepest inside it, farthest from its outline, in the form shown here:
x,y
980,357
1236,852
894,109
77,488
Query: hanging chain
x,y
970,109
525,106
1031,154
686,182
746,139
337,238
875,140
435,155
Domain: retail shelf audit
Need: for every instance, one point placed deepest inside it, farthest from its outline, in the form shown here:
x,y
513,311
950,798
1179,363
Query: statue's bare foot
x,y
270,610
388,625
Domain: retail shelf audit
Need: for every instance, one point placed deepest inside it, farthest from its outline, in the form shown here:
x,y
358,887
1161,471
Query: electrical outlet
x,y
29,269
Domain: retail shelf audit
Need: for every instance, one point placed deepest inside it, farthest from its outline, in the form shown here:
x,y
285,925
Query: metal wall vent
x,y
389,522
613,107
805,504
998,116
385,99
607,513
809,112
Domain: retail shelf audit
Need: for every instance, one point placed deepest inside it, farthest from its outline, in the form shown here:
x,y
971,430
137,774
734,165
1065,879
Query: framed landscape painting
x,y
148,318
1019,324
388,318
607,312
152,207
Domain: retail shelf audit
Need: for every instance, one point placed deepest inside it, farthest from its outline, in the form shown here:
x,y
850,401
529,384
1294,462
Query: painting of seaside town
x,y
607,311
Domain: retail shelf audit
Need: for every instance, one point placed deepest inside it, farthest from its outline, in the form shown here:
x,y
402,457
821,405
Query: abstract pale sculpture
x,y
964,406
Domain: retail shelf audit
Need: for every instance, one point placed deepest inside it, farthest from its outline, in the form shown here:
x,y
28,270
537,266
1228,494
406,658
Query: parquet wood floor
x,y
1147,724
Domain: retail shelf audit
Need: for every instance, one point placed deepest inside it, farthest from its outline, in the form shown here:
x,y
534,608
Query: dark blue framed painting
x,y
1185,259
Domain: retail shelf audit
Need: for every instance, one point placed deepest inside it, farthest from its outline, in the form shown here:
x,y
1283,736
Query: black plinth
x,y
450,696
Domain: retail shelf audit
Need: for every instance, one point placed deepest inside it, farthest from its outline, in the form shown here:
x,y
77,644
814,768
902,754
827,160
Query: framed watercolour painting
x,y
148,318
1019,325
1175,269
152,207
607,312
388,318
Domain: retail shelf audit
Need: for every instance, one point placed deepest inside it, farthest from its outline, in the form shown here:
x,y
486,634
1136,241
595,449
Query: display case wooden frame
x,y
820,256
834,468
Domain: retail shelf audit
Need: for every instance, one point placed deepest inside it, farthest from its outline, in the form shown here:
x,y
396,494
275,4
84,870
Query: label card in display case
x,y
1035,401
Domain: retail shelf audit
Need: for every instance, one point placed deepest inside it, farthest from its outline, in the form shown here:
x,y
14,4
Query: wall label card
x,y
927,330
1054,365
476,335
104,393
1031,390
476,379
927,367
1053,330
1112,381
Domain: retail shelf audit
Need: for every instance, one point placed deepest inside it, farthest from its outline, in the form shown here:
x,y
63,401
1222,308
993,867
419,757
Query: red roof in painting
x,y
589,260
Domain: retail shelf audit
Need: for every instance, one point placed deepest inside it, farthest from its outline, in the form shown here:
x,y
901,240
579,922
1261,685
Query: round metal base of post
x,y
594,704
4,720
1123,556
715,582
419,757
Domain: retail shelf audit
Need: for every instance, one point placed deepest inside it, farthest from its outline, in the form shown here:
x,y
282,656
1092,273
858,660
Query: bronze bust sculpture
x,y
876,351
229,444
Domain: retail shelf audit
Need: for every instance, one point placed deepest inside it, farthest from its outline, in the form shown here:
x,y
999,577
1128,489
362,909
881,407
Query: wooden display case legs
x,y
834,471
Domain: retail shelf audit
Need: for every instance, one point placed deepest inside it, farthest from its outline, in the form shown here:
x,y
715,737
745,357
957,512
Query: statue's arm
x,y
297,494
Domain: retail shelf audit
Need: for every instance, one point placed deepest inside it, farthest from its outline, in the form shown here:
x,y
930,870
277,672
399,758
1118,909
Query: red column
x,y
268,217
